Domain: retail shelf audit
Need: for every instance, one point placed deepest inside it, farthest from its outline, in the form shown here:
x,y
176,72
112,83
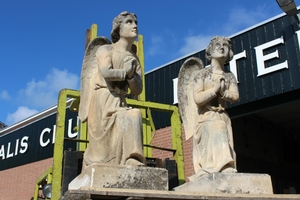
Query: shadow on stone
x,y
234,183
121,176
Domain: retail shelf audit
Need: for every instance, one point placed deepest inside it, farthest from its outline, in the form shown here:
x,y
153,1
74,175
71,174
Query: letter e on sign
x,y
261,58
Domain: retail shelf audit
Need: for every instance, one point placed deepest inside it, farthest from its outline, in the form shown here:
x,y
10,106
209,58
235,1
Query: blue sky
x,y
42,42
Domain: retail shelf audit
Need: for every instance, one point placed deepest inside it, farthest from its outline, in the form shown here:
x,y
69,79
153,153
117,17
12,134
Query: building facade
x,y
264,120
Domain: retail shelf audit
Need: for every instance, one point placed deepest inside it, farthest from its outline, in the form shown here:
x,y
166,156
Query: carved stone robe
x,y
115,131
213,140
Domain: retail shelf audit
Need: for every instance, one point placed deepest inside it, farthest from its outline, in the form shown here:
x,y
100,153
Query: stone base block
x,y
121,176
234,183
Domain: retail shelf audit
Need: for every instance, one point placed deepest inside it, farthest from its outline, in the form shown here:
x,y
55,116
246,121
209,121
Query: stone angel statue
x,y
202,96
108,71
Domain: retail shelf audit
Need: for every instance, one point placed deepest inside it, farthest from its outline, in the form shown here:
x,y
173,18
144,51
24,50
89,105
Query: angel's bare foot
x,y
229,170
134,162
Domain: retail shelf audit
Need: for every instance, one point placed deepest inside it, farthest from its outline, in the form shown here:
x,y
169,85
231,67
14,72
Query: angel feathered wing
x,y
88,75
187,106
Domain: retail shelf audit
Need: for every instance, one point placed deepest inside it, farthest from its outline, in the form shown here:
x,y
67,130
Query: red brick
x,y
19,182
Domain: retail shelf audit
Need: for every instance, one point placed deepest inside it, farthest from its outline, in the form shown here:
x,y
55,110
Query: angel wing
x,y
187,106
88,72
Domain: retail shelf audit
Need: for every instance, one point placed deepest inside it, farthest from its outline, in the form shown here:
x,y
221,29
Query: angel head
x,y
219,47
124,18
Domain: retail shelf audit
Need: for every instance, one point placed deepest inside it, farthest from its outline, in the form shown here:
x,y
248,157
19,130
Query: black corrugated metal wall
x,y
159,83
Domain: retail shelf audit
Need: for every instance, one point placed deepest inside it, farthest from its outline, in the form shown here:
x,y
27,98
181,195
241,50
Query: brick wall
x,y
188,156
19,182
163,138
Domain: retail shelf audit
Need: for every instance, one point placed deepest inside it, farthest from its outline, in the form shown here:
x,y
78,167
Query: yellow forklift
x,y
67,163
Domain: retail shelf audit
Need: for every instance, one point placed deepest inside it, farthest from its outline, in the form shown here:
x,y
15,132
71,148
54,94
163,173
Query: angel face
x,y
128,28
220,49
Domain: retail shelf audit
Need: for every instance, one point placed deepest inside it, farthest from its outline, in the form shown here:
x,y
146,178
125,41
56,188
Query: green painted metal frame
x,y
59,140
147,128
175,127
60,129
46,175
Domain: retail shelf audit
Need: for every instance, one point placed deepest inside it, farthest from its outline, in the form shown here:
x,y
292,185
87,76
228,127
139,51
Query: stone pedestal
x,y
234,183
121,176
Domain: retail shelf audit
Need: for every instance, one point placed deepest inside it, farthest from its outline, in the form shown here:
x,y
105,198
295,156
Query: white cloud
x,y
44,93
156,45
241,18
161,42
21,113
194,43
4,95
41,94
238,20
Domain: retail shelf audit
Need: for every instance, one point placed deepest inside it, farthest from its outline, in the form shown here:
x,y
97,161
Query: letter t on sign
x,y
232,63
261,58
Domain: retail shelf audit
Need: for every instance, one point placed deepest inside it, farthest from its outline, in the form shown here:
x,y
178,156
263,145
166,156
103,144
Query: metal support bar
x,y
60,129
59,140
177,144
83,135
46,175
76,140
176,130
147,136
152,126
161,148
